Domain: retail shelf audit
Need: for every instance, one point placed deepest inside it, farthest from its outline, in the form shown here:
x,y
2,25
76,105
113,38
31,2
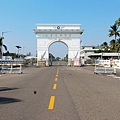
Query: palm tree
x,y
118,45
117,22
114,31
1,44
113,45
118,41
105,46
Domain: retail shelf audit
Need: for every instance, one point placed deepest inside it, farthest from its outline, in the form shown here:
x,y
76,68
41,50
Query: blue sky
x,y
21,16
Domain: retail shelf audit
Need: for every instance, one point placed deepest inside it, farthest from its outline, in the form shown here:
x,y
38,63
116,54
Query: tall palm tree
x,y
118,45
1,44
118,41
114,31
117,22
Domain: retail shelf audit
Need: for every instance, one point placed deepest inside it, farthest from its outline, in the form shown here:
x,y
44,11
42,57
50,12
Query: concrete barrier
x,y
105,66
105,70
11,68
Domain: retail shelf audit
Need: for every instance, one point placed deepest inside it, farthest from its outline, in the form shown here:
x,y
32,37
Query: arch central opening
x,y
58,54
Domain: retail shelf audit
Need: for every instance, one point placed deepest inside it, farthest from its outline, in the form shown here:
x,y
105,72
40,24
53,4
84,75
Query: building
x,y
86,51
88,56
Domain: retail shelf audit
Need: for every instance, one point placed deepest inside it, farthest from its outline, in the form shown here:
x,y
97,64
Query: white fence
x,y
106,66
108,63
105,70
11,68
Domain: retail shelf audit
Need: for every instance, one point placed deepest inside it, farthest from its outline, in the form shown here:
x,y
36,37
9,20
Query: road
x,y
59,93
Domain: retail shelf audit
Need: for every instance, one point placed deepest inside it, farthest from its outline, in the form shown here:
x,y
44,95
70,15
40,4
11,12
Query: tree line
x,y
114,45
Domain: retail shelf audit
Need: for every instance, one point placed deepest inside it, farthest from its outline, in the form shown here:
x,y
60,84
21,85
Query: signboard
x,y
76,61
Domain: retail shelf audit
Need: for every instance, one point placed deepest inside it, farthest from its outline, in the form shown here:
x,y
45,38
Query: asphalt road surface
x,y
59,93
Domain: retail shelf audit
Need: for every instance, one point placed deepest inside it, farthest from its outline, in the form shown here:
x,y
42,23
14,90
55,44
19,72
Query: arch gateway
x,y
68,34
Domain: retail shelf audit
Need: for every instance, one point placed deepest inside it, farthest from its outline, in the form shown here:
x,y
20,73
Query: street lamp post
x,y
18,47
80,53
5,32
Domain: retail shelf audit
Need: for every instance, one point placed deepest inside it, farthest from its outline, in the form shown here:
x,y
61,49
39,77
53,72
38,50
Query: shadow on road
x,y
5,100
6,89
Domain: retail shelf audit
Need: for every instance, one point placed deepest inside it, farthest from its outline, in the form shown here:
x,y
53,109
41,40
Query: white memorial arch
x,y
47,34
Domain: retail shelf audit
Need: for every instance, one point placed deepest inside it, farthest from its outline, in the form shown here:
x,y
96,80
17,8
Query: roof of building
x,y
104,54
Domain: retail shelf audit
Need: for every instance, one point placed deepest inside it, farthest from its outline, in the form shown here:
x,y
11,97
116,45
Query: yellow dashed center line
x,y
54,86
57,71
52,98
56,79
51,103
